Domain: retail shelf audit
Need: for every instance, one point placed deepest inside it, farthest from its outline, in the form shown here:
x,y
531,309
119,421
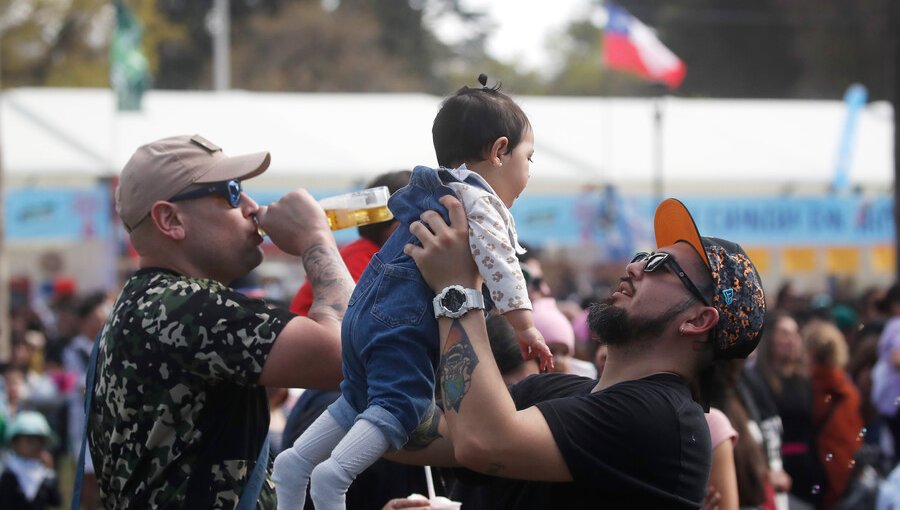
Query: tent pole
x,y
894,24
5,347
657,150
221,45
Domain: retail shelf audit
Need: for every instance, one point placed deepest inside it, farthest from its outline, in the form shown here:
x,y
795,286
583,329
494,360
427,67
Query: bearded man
x,y
635,438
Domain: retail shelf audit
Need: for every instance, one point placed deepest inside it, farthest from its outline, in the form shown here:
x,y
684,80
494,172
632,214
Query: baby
x,y
484,144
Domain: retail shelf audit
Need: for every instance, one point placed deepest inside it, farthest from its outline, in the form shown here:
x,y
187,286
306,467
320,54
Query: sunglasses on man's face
x,y
230,190
662,259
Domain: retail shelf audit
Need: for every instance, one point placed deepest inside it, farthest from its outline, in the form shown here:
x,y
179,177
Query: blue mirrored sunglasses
x,y
230,190
659,259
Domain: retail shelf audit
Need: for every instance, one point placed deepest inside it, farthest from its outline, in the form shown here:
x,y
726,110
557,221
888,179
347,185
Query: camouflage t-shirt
x,y
177,420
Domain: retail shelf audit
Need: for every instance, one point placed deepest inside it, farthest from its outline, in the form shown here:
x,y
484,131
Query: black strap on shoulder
x,y
88,393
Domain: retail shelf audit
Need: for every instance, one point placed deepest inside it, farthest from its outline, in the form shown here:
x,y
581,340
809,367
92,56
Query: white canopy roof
x,y
62,135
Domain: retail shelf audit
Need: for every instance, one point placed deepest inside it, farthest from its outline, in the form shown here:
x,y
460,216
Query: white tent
x,y
701,149
737,146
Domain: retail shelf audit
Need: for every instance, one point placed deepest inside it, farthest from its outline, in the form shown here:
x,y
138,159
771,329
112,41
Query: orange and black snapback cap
x,y
739,295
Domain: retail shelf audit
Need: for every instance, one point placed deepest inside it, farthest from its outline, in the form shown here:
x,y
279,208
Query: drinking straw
x,y
430,482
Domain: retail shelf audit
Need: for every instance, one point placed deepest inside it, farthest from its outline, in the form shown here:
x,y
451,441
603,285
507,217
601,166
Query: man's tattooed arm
x,y
458,361
330,281
427,432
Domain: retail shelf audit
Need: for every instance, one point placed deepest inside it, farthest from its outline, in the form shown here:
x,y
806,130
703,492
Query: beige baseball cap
x,y
160,170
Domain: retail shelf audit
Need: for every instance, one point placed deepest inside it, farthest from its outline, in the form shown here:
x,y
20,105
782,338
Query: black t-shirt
x,y
798,447
637,444
761,408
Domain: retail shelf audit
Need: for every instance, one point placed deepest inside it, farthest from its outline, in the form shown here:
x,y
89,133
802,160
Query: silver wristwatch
x,y
455,300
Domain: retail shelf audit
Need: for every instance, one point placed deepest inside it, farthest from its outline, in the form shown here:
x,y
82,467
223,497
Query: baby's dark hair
x,y
471,120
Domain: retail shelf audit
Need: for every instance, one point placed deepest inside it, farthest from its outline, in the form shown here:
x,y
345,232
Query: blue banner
x,y
617,224
613,225
836,220
57,214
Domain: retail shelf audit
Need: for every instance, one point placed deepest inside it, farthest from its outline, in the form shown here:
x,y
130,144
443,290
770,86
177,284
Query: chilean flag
x,y
629,45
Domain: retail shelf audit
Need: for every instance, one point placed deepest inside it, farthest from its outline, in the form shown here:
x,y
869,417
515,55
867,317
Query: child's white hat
x,y
29,423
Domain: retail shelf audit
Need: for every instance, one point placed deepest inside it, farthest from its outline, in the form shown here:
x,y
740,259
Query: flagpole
x,y
894,26
221,33
5,301
631,46
658,177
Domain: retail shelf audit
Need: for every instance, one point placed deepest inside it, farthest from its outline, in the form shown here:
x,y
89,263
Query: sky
x,y
522,27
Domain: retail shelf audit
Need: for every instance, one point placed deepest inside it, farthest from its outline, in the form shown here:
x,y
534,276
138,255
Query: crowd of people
x,y
806,427
687,387
803,425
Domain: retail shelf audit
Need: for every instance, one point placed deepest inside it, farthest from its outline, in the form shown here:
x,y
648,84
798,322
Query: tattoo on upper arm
x,y
425,433
331,283
458,361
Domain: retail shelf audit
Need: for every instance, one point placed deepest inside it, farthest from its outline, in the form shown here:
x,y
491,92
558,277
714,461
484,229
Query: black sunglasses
x,y
230,190
659,259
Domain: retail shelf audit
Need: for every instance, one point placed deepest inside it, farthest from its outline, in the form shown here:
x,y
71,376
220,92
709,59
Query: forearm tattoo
x,y
458,361
331,283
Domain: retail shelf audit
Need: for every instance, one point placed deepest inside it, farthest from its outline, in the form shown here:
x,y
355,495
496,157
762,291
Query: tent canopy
x,y
62,135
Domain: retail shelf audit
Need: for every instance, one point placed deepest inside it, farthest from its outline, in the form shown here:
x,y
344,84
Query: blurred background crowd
x,y
810,428
775,126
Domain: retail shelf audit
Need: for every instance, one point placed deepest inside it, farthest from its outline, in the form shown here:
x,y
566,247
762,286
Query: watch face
x,y
453,300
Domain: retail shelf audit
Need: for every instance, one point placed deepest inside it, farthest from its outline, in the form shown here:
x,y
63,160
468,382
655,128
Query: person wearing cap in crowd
x,y
28,481
636,438
179,415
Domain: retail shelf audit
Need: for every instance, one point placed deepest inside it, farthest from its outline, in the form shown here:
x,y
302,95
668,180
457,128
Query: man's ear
x,y
498,149
168,219
702,322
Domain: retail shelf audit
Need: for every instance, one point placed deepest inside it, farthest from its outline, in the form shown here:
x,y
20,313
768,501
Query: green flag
x,y
129,72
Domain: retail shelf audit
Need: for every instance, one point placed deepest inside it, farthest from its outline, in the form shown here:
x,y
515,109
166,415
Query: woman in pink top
x,y
723,475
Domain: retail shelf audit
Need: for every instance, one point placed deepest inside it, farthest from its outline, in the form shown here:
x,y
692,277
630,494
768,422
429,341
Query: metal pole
x,y
894,21
657,150
221,32
5,337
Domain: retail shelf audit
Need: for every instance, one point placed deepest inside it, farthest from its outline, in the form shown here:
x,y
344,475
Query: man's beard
x,y
614,326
